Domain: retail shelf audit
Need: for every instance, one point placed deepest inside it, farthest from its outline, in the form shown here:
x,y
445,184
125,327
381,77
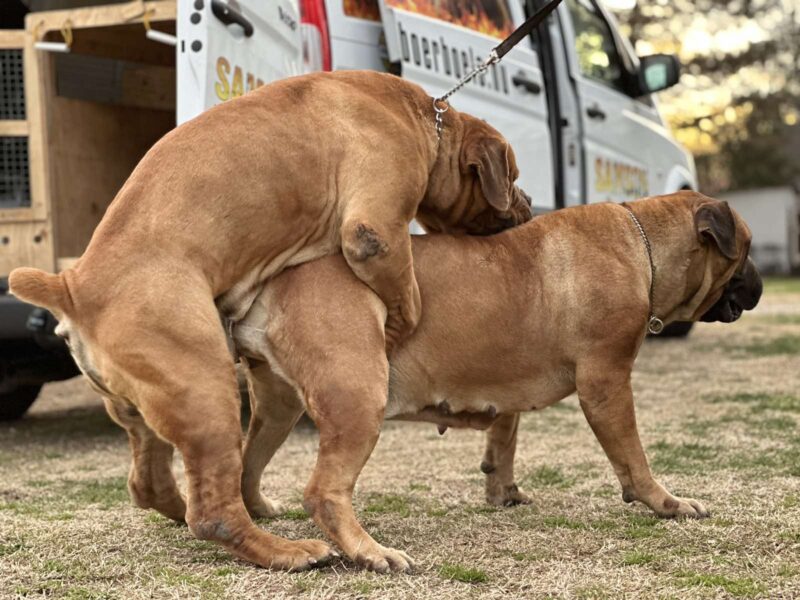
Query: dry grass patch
x,y
719,420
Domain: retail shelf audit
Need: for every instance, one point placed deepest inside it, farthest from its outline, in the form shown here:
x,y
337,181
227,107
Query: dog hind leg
x,y
182,380
274,410
498,463
151,482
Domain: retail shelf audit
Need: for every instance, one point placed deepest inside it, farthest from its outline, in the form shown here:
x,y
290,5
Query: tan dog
x,y
285,174
512,323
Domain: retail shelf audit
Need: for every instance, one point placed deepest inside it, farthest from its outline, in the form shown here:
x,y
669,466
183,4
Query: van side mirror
x,y
658,72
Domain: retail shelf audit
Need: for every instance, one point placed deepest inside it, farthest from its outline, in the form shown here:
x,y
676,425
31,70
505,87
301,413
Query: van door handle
x,y
595,112
228,15
519,80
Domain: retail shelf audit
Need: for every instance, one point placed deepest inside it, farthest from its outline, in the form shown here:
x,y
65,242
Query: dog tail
x,y
42,289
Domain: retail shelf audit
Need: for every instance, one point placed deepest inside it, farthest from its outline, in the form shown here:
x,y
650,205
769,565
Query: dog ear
x,y
489,156
715,221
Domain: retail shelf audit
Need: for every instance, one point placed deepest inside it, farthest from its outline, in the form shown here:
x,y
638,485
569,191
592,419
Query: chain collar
x,y
654,324
441,105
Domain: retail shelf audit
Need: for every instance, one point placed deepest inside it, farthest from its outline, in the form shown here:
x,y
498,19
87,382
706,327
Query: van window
x,y
598,57
490,17
362,9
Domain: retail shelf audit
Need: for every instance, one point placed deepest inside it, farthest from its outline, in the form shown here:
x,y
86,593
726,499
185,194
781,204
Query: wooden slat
x,y
29,244
16,215
12,38
66,262
13,128
38,92
101,16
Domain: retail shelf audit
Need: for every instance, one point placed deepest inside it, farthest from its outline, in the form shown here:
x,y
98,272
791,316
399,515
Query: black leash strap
x,y
523,30
440,104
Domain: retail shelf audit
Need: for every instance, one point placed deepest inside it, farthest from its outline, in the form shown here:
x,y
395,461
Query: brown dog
x,y
285,174
512,323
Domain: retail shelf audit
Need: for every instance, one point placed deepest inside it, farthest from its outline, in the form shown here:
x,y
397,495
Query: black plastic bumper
x,y
30,352
20,321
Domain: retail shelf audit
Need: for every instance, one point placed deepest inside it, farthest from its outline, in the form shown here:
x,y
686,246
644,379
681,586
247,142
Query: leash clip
x,y
439,112
655,325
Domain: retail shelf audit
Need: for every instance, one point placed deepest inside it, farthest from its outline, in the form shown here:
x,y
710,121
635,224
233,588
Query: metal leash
x,y
654,324
493,58
441,105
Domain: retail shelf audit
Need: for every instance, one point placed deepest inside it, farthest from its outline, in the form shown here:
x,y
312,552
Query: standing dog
x,y
288,173
512,323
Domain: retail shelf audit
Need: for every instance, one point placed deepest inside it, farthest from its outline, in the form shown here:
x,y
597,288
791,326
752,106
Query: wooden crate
x,y
85,135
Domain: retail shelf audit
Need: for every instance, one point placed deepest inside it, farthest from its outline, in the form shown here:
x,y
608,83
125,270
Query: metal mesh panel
x,y
12,88
14,175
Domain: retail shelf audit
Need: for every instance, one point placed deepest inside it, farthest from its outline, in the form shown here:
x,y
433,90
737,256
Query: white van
x,y
573,99
87,90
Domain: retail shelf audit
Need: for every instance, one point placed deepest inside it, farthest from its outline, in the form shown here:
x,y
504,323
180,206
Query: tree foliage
x,y
738,105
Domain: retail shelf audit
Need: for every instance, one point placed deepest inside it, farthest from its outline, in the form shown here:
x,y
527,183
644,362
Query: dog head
x,y
473,191
731,278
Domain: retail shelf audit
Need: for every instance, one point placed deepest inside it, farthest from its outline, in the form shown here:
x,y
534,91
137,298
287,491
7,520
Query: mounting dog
x,y
295,170
512,323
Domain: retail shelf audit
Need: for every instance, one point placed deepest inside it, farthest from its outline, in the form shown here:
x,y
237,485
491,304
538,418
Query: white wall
x,y
772,214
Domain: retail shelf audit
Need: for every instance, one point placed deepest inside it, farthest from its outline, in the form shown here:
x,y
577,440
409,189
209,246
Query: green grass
x,y
548,477
364,588
743,587
381,504
464,574
563,522
104,492
760,401
637,557
437,512
481,509
680,458
782,285
784,344
202,586
779,319
294,514
641,526
782,461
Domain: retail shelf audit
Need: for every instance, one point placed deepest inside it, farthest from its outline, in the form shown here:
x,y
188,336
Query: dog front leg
x,y
274,410
498,463
379,253
606,398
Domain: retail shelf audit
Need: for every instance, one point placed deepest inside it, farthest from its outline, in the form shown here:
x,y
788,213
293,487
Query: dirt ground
x,y
718,414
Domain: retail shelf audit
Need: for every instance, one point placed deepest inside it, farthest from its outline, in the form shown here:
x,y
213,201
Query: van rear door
x,y
226,49
437,43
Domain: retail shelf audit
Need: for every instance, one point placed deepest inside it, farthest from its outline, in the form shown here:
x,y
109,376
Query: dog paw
x,y
170,503
263,508
384,560
507,495
302,555
673,507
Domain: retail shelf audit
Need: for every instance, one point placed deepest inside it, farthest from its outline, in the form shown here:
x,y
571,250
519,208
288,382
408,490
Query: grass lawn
x,y
718,414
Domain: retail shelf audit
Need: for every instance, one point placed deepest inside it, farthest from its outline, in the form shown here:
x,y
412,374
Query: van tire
x,y
13,405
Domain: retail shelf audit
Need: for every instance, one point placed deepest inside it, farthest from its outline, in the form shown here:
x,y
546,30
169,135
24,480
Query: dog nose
x,y
754,285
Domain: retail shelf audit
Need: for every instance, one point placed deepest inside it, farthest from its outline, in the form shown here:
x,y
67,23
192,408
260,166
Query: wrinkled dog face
x,y
487,200
742,293
490,220
729,238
